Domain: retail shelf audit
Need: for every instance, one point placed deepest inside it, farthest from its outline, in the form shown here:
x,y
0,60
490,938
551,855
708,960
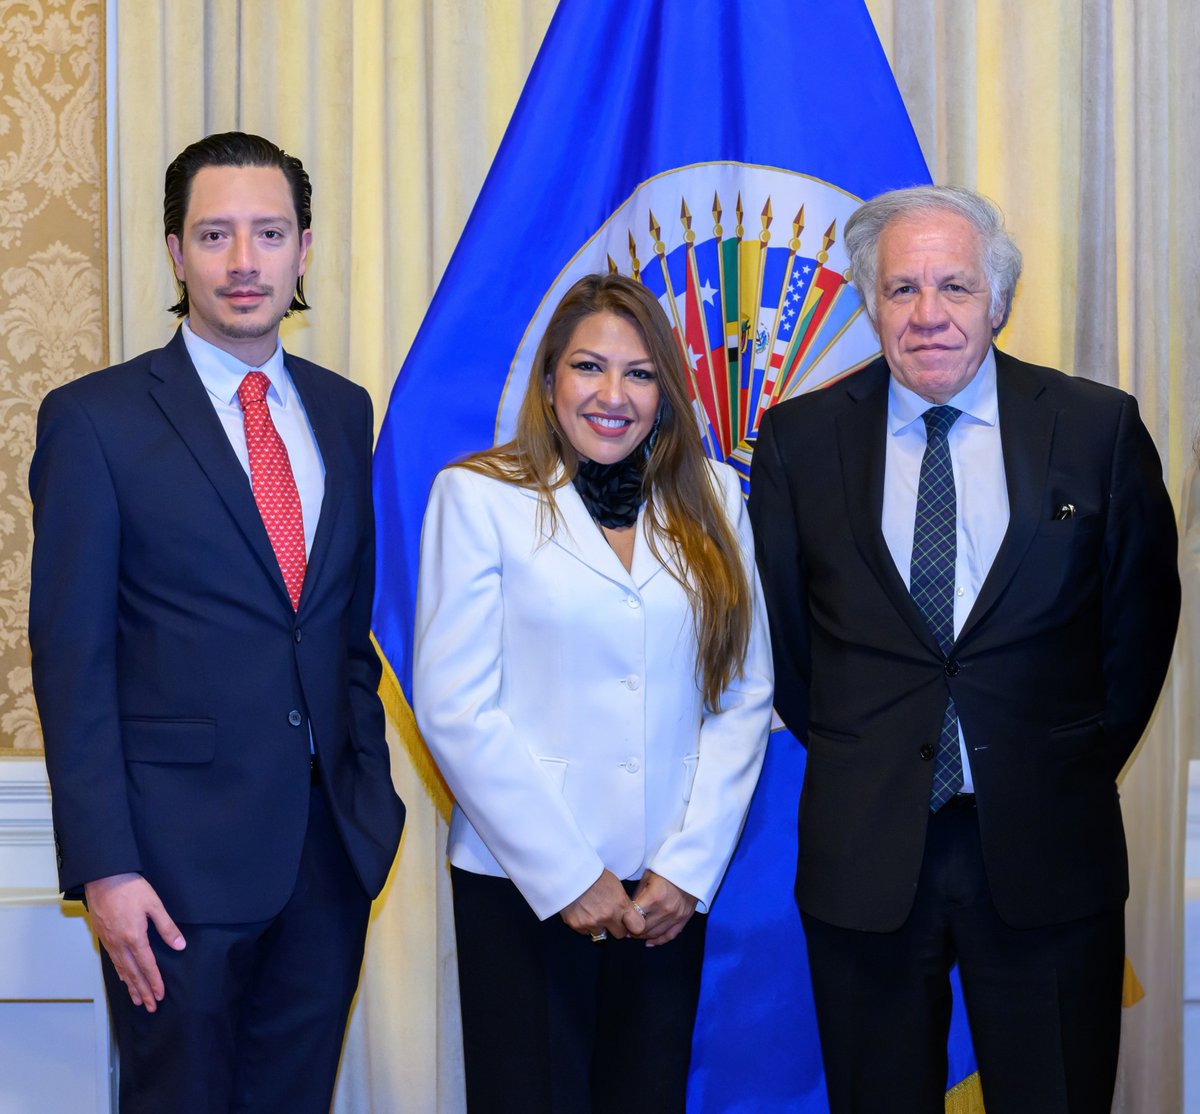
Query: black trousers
x,y
556,1024
254,1014
1044,1004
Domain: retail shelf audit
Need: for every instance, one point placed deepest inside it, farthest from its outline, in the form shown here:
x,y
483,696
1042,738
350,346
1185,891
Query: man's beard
x,y
250,330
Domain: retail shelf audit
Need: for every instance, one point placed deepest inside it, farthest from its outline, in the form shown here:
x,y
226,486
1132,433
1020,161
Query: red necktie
x,y
274,485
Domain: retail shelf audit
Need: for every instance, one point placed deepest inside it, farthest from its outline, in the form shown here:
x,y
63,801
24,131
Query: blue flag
x,y
713,149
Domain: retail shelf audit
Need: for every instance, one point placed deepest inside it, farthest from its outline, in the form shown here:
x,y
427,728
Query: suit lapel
x,y
645,566
579,535
184,402
334,457
1026,434
862,445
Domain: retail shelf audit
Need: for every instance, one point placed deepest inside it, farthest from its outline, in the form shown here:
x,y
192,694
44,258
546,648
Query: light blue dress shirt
x,y
979,485
222,374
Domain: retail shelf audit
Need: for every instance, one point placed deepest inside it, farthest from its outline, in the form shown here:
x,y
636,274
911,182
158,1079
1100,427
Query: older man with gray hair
x,y
969,565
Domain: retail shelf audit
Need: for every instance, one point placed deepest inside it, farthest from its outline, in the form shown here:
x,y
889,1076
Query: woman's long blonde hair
x,y
688,530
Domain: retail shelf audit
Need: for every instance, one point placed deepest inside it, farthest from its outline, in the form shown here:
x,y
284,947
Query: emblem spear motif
x,y
753,266
824,292
660,249
714,404
774,370
727,269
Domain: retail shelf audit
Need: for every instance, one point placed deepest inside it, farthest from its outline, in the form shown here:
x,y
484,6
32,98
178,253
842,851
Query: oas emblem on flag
x,y
761,312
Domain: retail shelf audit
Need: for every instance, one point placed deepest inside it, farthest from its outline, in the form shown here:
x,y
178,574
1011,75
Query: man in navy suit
x,y
969,567
203,569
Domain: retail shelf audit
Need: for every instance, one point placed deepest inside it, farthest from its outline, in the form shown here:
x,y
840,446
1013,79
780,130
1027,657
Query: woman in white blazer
x,y
593,676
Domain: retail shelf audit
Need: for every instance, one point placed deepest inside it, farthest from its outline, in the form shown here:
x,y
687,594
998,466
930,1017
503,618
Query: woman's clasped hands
x,y
655,914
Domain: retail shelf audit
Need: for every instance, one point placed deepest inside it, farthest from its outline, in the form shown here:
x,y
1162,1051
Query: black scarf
x,y
612,493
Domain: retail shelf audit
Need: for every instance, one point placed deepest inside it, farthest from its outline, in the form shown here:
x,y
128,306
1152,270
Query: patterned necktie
x,y
935,545
274,485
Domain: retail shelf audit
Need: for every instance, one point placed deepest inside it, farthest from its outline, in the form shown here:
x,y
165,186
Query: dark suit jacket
x,y
176,685
1054,674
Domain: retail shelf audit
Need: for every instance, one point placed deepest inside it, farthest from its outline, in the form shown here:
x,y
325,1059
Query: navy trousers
x,y
254,1014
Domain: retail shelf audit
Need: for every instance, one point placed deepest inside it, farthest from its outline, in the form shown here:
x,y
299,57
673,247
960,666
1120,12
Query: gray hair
x,y
1001,258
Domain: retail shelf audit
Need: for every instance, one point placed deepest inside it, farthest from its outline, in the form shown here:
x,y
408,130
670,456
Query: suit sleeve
x,y
731,746
458,667
782,568
73,634
1140,603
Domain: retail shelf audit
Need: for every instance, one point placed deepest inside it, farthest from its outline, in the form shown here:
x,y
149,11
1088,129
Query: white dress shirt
x,y
979,485
222,374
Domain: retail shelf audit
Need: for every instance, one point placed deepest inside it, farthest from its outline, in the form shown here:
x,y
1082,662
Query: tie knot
x,y
253,388
938,420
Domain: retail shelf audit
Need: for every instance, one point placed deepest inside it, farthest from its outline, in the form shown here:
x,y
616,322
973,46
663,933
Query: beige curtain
x,y
1077,116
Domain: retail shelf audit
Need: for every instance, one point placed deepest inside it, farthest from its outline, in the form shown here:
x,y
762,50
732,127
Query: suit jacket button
x,y
296,634
295,718
927,751
951,668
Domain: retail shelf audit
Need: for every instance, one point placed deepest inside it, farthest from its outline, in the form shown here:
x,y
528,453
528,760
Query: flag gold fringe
x,y
395,704
1132,991
965,1097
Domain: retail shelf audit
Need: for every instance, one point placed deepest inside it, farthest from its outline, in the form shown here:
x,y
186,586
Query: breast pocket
x,y
1071,530
555,769
689,775
1064,561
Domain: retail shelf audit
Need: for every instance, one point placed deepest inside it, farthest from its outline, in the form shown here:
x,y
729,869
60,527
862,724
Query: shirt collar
x,y
222,373
977,400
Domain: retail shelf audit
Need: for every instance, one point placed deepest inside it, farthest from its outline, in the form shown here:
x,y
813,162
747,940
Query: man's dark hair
x,y
232,149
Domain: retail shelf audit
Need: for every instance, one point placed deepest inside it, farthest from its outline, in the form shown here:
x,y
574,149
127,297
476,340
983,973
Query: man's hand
x,y
667,908
604,907
120,906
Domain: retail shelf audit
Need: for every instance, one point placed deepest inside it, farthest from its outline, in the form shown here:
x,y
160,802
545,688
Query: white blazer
x,y
557,692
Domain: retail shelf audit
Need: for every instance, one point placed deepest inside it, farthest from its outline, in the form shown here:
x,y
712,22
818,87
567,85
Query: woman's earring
x,y
653,438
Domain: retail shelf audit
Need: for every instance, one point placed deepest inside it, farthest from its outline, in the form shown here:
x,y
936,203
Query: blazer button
x,y
632,764
633,682
951,668
295,718
633,602
927,751
296,634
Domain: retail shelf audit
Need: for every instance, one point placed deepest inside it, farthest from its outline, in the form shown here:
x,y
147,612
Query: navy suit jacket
x,y
176,685
1055,672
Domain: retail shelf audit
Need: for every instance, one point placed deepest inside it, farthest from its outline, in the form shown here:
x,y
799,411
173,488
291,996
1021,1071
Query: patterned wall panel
x,y
52,268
